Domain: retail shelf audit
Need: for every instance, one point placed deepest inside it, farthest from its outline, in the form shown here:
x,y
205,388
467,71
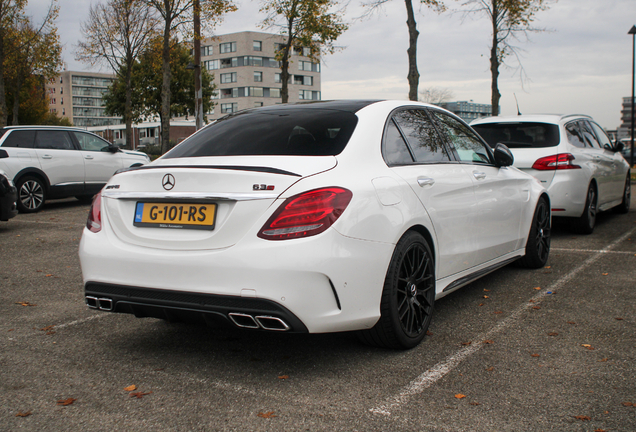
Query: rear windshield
x,y
287,132
519,135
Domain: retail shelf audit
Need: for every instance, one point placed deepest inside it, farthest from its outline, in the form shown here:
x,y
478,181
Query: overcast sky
x,y
581,64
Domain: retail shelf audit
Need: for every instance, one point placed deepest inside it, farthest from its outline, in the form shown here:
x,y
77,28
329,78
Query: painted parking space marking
x,y
441,369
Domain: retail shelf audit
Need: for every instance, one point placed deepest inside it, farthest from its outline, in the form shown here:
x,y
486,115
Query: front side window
x,y
421,136
276,131
90,142
588,135
601,135
55,140
468,146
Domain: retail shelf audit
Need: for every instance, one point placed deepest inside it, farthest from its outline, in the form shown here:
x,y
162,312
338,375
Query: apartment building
x,y
468,111
248,75
78,96
625,129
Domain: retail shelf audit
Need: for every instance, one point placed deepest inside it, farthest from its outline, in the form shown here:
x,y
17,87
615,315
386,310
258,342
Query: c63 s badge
x,y
258,187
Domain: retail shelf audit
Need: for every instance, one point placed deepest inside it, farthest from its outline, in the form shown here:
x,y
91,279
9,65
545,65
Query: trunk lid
x,y
240,189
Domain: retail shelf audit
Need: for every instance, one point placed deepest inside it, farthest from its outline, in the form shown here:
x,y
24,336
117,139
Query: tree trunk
x,y
128,103
494,63
165,90
414,75
3,101
284,75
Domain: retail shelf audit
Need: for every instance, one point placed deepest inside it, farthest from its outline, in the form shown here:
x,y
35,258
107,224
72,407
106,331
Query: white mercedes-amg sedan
x,y
318,217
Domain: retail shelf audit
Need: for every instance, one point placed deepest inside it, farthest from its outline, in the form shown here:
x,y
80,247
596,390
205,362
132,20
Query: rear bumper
x,y
567,190
192,307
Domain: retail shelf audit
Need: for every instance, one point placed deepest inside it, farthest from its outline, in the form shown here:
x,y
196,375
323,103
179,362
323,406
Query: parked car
x,y
627,149
319,217
573,158
58,162
8,195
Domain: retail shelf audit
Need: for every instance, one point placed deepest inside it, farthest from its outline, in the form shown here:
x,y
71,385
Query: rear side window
x,y
519,135
575,137
20,138
395,149
422,137
54,140
286,132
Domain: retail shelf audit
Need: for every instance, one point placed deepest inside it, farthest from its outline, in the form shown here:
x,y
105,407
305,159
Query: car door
x,y
615,165
603,162
415,152
20,146
99,162
60,161
501,194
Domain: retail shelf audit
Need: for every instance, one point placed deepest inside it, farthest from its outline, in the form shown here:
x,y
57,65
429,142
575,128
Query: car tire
x,y
538,244
408,295
623,207
586,222
31,194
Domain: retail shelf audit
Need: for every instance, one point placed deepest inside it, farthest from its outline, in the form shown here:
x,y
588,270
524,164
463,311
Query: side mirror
x,y
619,146
113,148
503,155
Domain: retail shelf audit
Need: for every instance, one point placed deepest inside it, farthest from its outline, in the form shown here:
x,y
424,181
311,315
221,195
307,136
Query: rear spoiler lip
x,y
268,170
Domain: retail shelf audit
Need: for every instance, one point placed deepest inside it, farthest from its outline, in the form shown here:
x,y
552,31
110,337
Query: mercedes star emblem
x,y
168,181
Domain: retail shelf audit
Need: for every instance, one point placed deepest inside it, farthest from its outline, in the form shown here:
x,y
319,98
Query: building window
x,y
228,108
62,101
308,80
256,91
229,62
258,76
227,47
228,78
274,92
52,101
207,51
61,90
309,95
61,80
211,64
258,46
308,66
63,111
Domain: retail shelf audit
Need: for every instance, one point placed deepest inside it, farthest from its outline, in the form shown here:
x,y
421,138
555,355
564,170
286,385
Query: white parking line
x,y
592,251
442,368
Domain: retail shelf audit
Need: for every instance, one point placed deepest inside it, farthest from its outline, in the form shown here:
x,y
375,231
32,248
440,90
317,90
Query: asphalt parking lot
x,y
519,350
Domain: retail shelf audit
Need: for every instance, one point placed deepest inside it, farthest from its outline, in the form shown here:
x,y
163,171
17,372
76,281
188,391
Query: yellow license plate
x,y
175,215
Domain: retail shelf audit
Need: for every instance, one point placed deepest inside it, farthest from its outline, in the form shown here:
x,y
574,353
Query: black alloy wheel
x,y
585,224
623,207
407,299
31,195
538,244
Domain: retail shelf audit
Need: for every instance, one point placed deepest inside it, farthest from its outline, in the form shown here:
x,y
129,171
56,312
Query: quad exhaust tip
x,y
100,303
261,321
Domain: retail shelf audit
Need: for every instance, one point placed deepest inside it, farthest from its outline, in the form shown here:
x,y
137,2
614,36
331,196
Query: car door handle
x,y
425,181
479,175
88,157
46,156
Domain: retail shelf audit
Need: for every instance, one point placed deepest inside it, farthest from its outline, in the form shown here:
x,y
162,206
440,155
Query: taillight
x,y
94,222
306,214
555,162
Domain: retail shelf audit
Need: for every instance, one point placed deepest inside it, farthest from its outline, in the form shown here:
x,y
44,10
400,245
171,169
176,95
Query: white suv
x,y
573,158
57,162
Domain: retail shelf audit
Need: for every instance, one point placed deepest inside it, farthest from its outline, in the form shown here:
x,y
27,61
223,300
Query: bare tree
x,y
115,33
176,14
413,74
306,24
436,95
509,19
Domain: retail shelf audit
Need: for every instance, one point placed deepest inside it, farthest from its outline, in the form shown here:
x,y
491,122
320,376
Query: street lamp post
x,y
633,33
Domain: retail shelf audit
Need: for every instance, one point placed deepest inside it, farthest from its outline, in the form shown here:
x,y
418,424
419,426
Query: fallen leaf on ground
x,y
480,304
489,342
47,328
428,333
588,346
547,267
459,396
585,418
553,334
627,404
571,322
23,303
283,377
602,360
486,290
486,297
474,403
490,369
600,430
130,388
48,275
618,319
267,415
537,288
139,394
23,414
536,307
466,343
534,355
605,274
65,402
498,312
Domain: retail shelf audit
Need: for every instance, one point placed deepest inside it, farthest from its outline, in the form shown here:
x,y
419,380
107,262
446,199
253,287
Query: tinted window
x,y
20,138
603,139
90,142
421,136
395,150
574,135
588,135
56,140
519,135
468,146
301,131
